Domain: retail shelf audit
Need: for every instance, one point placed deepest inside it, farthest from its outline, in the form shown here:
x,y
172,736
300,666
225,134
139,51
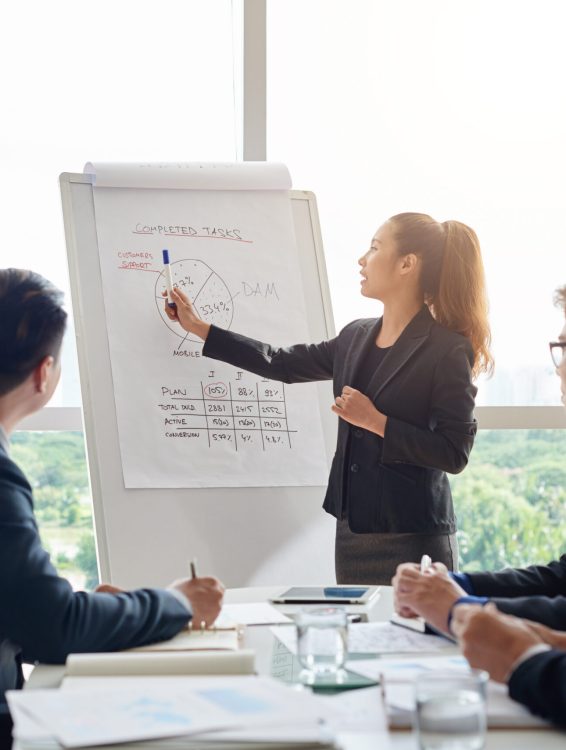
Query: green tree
x,y
497,527
86,560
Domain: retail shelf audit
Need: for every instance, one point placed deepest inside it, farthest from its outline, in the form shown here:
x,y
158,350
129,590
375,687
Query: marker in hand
x,y
168,278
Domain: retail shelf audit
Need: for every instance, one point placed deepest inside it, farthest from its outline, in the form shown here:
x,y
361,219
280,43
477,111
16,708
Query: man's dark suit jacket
x,y
536,593
424,386
41,618
540,684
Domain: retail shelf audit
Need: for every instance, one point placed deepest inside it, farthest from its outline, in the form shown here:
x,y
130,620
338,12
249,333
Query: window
x,y
452,109
449,108
379,108
511,499
103,81
55,465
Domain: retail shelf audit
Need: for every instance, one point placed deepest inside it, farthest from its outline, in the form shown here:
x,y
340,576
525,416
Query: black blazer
x,y
536,593
424,386
540,684
41,618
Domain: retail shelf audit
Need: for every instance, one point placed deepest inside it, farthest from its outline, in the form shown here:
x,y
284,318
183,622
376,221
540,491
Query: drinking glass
x,y
451,710
322,639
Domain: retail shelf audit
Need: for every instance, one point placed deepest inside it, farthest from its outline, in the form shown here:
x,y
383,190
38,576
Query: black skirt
x,y
373,558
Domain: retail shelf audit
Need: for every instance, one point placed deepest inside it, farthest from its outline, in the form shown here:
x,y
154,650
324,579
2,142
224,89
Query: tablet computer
x,y
327,595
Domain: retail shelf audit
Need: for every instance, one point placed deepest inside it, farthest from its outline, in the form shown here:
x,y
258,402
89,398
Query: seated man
x,y
41,618
537,592
527,656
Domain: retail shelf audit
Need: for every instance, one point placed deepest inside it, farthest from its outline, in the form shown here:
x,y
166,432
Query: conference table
x,y
261,639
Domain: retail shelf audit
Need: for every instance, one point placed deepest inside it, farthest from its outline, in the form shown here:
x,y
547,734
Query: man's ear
x,y
42,372
409,263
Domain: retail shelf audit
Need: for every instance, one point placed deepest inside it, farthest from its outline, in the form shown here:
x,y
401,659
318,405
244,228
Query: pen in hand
x,y
193,566
426,563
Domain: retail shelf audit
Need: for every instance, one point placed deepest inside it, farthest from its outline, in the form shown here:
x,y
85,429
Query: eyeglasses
x,y
558,352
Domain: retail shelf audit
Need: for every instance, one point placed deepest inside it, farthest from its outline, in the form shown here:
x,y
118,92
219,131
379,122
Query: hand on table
x,y
554,638
430,594
108,588
491,640
357,409
205,596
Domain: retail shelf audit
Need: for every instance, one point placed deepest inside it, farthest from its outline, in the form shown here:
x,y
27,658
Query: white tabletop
x,y
261,639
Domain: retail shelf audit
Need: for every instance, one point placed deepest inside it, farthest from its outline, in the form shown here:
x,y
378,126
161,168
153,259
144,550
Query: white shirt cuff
x,y
538,648
182,599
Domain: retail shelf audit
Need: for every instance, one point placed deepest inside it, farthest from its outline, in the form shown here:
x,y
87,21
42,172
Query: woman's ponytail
x,y
452,277
461,301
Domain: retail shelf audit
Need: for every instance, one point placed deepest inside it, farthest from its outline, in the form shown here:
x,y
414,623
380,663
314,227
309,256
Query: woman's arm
x,y
295,364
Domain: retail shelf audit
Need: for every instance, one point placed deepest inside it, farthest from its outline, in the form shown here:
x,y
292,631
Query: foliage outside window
x,y
510,501
55,465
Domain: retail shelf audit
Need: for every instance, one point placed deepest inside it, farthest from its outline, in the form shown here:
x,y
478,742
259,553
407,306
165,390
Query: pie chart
x,y
206,290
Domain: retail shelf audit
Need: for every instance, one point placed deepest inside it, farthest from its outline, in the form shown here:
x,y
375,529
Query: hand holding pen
x,y
425,590
205,596
426,564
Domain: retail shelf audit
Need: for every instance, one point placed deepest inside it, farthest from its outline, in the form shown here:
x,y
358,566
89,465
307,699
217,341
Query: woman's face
x,y
379,263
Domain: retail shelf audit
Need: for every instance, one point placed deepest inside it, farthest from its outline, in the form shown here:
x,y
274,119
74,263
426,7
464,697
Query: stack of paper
x,y
207,712
225,639
398,675
206,652
125,663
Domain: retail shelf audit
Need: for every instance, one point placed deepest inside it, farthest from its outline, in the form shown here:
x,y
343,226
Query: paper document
x,y
196,640
398,677
135,709
260,613
184,420
360,711
501,710
376,638
406,669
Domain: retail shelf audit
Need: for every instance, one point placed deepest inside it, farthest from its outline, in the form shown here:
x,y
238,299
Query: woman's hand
x,y
357,409
185,314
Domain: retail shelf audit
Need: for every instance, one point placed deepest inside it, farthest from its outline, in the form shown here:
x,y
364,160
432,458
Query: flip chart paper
x,y
184,420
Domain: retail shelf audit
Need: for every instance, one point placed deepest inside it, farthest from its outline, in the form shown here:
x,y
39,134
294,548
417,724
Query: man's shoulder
x,y
10,472
15,490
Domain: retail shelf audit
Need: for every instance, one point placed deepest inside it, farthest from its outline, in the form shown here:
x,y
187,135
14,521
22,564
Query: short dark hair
x,y
560,298
32,324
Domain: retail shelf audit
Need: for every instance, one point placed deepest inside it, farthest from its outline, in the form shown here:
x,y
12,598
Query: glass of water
x,y
322,640
451,710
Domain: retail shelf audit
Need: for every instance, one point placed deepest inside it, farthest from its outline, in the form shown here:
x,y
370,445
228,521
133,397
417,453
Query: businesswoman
x,y
403,388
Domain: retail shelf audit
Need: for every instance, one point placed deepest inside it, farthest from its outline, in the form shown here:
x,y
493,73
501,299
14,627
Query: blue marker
x,y
168,278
